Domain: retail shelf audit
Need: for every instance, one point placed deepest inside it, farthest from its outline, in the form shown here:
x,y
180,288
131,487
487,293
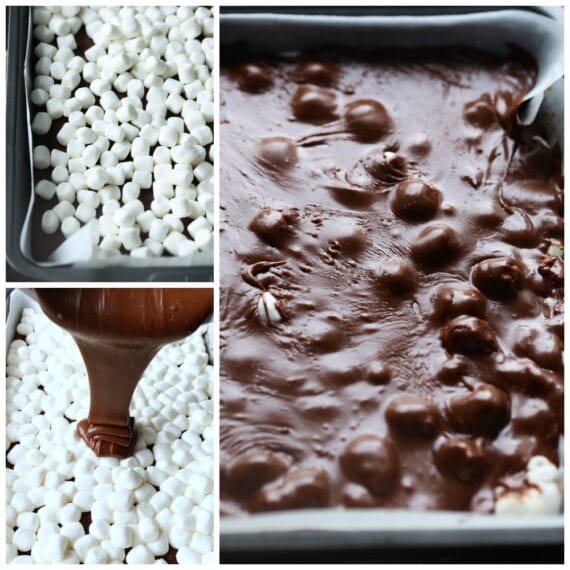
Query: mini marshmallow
x,y
77,180
121,150
39,97
86,135
172,244
77,119
96,555
41,123
50,222
167,136
109,100
45,189
150,134
59,174
187,248
140,147
140,554
83,545
91,155
143,179
173,222
99,86
123,218
96,178
76,165
145,220
121,536
158,230
55,548
88,197
94,112
58,158
24,539
130,238
63,210
65,192
41,157
85,213
110,243
131,191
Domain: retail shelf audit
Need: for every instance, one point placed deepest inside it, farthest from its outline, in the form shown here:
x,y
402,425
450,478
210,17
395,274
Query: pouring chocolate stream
x,y
118,332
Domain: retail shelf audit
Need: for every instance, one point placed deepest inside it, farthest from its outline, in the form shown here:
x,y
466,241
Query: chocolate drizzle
x,y
118,332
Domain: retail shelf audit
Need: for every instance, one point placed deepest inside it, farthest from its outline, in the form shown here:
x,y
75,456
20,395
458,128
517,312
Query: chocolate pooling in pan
x,y
402,226
118,332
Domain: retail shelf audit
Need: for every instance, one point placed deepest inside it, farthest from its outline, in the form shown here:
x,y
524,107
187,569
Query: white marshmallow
x,y
96,178
45,189
140,554
50,222
130,238
41,157
41,123
172,244
69,226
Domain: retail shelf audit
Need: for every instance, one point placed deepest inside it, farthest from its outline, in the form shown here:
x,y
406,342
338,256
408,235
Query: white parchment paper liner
x,y
79,249
491,32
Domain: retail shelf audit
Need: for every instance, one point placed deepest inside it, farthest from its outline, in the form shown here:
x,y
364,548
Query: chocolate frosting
x,y
119,331
402,223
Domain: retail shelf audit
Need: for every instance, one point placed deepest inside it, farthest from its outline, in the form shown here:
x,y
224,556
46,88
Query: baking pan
x,y
19,185
267,33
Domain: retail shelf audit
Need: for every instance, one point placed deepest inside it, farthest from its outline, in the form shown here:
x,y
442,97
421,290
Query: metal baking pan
x,y
19,188
270,31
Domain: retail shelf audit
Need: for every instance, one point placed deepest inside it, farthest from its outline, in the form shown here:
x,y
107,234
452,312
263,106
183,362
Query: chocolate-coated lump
x,y
468,335
519,230
277,153
461,458
484,411
415,201
414,227
253,78
367,120
499,278
274,226
316,73
456,299
481,112
395,277
373,462
250,471
535,417
453,369
297,489
312,104
544,348
552,270
378,372
385,166
411,416
435,245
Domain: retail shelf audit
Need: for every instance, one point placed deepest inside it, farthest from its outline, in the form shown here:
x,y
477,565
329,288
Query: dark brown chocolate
x,y
119,331
402,223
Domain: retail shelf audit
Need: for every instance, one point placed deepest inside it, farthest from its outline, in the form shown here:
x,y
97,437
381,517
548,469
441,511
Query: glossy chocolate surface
x,y
118,332
402,222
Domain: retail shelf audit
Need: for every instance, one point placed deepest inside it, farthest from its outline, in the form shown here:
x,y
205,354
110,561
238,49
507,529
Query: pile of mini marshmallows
x,y
138,109
56,478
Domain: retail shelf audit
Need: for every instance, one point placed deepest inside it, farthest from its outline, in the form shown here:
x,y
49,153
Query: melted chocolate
x,y
403,222
119,331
